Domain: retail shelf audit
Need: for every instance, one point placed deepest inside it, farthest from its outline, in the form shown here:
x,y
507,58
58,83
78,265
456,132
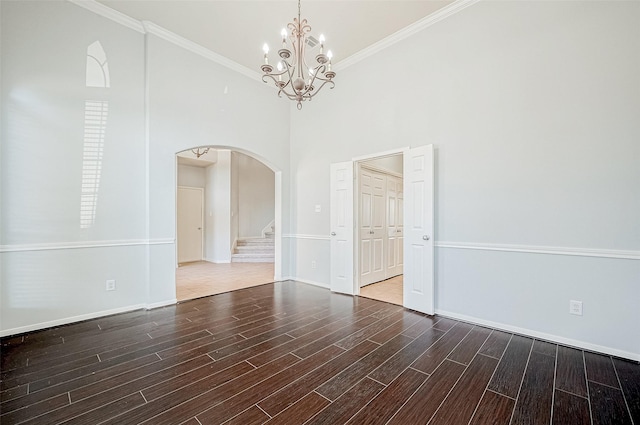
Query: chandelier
x,y
294,77
199,153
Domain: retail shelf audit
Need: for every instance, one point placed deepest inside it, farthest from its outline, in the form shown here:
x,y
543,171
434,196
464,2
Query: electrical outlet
x,y
313,264
111,285
575,307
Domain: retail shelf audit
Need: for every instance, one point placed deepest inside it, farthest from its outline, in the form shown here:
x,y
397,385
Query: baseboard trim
x,y
308,282
311,237
214,261
69,320
161,304
540,335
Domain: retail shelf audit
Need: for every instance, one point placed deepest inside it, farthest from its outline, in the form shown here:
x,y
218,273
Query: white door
x,y
372,227
418,290
189,224
394,226
341,223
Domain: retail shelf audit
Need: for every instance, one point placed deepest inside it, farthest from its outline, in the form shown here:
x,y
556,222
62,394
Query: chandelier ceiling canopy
x,y
294,77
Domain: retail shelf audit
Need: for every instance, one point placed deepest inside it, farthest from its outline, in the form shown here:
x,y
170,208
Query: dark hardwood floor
x,y
288,353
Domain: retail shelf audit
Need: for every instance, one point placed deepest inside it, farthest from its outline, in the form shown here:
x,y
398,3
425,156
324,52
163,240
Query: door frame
x,y
357,163
277,265
358,166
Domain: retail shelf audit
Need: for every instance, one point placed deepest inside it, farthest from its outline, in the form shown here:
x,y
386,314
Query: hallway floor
x,y
389,290
202,278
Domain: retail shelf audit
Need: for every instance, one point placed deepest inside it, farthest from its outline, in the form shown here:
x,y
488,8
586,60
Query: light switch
x,y
318,208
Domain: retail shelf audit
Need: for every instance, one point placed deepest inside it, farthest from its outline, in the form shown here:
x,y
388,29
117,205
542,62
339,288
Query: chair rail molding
x,y
549,250
84,244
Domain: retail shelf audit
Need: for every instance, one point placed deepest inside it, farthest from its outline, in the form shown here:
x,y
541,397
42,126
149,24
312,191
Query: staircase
x,y
255,250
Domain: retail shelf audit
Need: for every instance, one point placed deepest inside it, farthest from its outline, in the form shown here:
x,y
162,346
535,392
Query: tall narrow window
x,y
97,66
95,126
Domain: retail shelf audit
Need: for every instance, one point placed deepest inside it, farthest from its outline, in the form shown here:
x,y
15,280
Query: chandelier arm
x,y
324,82
290,71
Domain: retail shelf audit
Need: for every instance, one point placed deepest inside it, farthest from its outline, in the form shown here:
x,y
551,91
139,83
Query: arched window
x,y
97,66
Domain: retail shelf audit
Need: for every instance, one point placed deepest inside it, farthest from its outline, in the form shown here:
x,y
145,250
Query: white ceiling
x,y
237,29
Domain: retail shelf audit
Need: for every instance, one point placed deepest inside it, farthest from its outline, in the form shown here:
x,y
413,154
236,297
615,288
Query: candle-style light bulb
x,y
321,43
280,70
329,55
283,33
265,49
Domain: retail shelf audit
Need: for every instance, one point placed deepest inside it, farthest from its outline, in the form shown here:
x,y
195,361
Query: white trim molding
x,y
308,282
535,249
302,236
540,335
68,320
400,35
84,245
109,13
147,27
157,30
160,304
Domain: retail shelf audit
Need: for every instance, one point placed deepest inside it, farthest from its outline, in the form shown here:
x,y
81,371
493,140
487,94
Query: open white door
x,y
418,291
342,227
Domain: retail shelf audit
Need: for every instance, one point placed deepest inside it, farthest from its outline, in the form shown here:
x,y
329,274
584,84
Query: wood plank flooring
x,y
290,353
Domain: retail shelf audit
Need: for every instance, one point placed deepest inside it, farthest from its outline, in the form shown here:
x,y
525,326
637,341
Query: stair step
x,y
255,248
255,241
252,258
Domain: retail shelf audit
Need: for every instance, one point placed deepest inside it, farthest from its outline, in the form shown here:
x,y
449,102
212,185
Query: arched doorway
x,y
227,221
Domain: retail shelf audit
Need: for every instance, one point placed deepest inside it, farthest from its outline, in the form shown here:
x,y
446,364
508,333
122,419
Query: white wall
x,y
43,250
235,201
210,106
256,196
533,111
52,269
218,209
191,176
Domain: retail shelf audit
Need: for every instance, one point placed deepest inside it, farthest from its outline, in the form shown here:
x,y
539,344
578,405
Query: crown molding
x,y
147,27
110,13
158,31
408,31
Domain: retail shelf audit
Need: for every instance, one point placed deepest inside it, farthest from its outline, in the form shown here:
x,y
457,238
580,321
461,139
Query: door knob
x,y
371,232
333,233
199,228
425,237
